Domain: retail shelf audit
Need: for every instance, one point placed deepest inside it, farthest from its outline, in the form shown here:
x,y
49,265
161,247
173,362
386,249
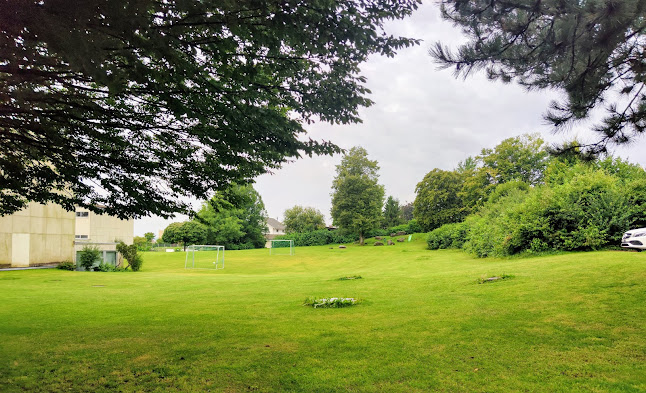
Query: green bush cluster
x,y
580,207
88,256
447,236
67,265
319,237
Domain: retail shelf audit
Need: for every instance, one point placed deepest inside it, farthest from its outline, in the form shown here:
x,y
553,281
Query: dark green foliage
x,y
186,233
108,267
520,158
319,238
234,218
406,211
447,236
594,51
303,219
438,201
66,266
449,196
357,197
129,253
88,256
391,213
585,206
152,101
411,227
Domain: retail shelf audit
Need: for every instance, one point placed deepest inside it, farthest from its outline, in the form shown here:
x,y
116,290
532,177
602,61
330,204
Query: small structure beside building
x,y
274,228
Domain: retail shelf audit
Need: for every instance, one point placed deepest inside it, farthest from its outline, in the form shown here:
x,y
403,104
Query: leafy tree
x,y
594,51
129,253
186,233
149,236
235,218
438,199
357,198
406,211
125,107
141,243
520,158
391,213
303,219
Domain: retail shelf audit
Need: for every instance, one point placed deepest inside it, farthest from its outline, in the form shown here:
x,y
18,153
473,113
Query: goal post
x,y
281,247
204,256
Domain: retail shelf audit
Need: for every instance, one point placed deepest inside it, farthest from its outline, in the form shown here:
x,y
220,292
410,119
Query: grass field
x,y
566,323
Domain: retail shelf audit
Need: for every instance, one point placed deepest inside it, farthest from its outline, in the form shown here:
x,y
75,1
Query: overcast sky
x,y
423,118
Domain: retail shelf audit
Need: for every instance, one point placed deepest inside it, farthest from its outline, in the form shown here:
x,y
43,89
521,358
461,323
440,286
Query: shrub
x,y
129,253
105,267
320,237
88,256
447,236
67,265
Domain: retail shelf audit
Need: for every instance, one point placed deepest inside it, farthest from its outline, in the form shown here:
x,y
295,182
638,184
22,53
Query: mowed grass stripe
x,y
571,322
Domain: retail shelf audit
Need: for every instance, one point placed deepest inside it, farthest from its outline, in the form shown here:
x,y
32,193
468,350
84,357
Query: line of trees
x,y
517,198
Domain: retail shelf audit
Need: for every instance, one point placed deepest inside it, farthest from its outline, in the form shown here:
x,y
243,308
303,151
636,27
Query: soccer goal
x,y
281,247
204,257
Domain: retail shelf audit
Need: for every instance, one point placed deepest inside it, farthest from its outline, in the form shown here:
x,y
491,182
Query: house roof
x,y
272,222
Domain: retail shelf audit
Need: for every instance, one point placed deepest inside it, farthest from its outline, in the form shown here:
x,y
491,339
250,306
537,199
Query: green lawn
x,y
566,323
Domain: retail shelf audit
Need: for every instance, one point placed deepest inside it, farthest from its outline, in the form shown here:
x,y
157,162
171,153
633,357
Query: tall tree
x,y
235,218
186,233
406,211
125,107
357,197
520,158
149,236
594,51
391,213
303,219
438,199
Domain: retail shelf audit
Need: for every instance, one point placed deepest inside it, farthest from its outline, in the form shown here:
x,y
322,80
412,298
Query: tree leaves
x,y
125,108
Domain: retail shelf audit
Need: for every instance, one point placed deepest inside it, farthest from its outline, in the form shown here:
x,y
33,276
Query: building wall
x,y
36,235
102,228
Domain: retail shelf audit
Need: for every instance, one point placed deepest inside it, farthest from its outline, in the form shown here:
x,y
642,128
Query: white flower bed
x,y
330,302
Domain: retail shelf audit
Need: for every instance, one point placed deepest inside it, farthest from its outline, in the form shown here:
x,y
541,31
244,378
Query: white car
x,y
635,238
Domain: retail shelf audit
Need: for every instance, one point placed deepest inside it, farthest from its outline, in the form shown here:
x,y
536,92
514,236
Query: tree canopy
x,y
125,107
445,197
186,233
235,218
594,51
438,201
357,197
303,219
392,214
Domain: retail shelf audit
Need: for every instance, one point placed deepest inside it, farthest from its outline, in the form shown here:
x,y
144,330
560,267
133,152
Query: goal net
x,y
281,247
204,257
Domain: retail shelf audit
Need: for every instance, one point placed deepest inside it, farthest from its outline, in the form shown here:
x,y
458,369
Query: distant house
x,y
274,228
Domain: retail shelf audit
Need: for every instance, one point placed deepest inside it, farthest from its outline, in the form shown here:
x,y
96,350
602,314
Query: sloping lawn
x,y
572,322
